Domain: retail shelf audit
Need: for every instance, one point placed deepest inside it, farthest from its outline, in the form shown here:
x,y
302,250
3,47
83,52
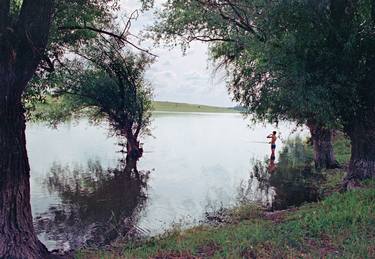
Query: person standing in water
x,y
272,165
273,141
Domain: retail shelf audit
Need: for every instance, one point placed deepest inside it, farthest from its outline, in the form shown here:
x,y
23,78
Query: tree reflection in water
x,y
97,205
290,182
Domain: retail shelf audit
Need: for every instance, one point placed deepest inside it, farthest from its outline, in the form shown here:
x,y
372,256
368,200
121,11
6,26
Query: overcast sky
x,y
177,77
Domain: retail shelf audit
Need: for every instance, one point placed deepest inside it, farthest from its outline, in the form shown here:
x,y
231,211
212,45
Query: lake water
x,y
195,163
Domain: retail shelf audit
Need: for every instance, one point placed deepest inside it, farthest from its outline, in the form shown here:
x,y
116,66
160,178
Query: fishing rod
x,y
125,152
279,137
260,142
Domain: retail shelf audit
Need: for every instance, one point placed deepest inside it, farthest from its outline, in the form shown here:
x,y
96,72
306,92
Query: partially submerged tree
x,y
107,83
243,37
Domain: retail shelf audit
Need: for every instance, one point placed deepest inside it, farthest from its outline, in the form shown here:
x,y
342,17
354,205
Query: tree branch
x,y
239,20
50,64
120,37
32,31
207,38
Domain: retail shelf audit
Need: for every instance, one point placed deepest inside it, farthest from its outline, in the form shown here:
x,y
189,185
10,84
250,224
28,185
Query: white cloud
x,y
178,77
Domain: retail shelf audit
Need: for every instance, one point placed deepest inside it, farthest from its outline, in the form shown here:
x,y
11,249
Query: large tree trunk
x,y
324,156
362,162
21,48
17,236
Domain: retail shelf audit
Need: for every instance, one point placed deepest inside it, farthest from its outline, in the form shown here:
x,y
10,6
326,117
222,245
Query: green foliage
x,y
80,13
53,111
271,76
246,49
108,83
15,7
295,60
296,153
66,34
36,97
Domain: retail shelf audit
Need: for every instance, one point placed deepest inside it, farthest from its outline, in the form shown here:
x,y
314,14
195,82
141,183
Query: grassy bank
x,y
186,107
342,225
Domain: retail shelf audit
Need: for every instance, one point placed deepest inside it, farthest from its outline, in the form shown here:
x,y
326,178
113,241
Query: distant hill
x,y
186,107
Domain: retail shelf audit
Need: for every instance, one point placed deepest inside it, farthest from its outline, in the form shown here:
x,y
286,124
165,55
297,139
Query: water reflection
x,y
97,205
257,188
189,166
290,182
271,163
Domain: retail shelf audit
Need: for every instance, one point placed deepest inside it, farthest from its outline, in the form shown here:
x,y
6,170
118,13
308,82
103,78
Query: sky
x,y
179,77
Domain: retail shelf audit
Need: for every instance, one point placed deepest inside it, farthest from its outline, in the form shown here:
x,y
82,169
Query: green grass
x,y
342,148
185,107
341,226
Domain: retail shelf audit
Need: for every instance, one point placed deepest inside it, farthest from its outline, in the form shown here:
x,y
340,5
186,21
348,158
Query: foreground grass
x,y
341,225
185,107
342,148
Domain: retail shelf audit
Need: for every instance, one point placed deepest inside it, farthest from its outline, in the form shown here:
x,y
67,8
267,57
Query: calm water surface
x,y
193,163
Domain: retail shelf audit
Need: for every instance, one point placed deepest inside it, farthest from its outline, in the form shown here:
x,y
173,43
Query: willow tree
x,y
323,52
350,77
241,35
105,82
310,61
31,32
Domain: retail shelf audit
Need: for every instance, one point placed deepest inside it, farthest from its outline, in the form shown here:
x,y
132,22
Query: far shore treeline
x,y
45,111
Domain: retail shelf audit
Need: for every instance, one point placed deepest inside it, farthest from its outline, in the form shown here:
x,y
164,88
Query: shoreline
x,y
313,229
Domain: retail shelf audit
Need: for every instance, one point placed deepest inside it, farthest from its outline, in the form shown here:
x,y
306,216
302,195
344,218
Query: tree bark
x,y
362,161
133,148
324,156
21,48
17,236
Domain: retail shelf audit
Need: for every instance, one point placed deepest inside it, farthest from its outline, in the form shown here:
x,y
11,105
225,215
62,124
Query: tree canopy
x,y
296,60
75,24
103,81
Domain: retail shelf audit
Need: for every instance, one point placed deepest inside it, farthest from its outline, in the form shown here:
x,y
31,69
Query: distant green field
x,y
185,107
